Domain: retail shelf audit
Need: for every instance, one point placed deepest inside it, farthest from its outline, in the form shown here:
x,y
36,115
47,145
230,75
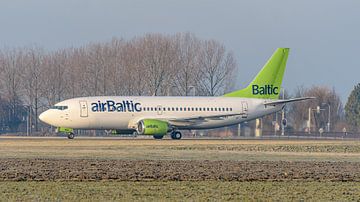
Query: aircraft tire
x,y
158,137
176,135
71,136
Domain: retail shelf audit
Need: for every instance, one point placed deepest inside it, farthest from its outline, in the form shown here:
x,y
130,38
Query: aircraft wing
x,y
198,119
281,102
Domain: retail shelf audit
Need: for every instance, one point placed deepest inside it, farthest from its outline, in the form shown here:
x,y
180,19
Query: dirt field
x,y
234,168
175,170
180,191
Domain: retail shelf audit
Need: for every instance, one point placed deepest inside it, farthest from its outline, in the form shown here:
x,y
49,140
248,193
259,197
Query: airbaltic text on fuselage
x,y
112,106
265,90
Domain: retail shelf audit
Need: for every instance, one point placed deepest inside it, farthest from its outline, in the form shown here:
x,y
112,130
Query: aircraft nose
x,y
44,117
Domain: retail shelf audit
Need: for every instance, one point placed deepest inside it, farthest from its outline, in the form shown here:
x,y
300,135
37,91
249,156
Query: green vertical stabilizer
x,y
267,83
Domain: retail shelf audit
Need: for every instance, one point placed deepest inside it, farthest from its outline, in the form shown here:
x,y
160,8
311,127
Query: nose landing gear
x,y
69,131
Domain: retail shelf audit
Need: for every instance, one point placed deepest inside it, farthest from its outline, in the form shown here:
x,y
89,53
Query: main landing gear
x,y
71,135
176,135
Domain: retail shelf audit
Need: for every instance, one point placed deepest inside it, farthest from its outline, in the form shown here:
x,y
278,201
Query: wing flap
x,y
199,119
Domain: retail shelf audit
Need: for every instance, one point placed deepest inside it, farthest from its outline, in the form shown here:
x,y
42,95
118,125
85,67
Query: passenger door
x,y
83,109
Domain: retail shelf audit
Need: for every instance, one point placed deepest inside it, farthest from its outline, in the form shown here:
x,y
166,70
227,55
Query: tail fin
x,y
267,83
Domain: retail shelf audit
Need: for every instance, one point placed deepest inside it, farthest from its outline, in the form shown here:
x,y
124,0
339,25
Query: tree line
x,y
182,64
154,64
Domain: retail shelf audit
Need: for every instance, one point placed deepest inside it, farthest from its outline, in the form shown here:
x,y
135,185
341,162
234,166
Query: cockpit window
x,y
59,107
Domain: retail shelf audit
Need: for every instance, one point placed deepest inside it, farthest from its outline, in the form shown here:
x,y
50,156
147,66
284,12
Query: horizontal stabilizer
x,y
280,102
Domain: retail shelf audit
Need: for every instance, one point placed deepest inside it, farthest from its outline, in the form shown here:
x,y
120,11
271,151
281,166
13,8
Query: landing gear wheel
x,y
176,135
71,136
158,137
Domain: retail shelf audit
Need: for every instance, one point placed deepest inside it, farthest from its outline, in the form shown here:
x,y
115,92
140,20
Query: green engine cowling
x,y
152,127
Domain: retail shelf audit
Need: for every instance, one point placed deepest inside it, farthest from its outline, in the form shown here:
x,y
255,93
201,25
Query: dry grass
x,y
96,141
140,149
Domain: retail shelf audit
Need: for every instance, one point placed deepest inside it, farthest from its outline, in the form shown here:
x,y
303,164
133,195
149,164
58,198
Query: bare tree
x,y
76,77
157,62
55,66
186,62
33,78
216,67
12,64
115,75
10,84
325,97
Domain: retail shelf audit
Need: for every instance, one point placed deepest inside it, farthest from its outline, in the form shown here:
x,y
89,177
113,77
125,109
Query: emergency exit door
x,y
83,109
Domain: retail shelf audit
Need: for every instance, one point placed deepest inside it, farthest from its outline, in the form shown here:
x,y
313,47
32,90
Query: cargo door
x,y
83,109
245,109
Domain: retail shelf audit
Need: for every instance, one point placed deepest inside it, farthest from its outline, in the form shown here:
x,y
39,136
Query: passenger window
x,y
177,109
173,109
164,109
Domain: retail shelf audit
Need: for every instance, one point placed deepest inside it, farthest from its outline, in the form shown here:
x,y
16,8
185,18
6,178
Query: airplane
x,y
158,116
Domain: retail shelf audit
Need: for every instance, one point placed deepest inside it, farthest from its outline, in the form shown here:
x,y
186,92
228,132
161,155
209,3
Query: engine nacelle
x,y
152,127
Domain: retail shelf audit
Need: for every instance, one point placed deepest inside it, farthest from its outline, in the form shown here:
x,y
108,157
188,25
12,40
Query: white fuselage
x,y
123,113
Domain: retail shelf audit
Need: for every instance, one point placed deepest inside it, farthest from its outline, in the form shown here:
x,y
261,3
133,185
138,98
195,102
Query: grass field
x,y
57,169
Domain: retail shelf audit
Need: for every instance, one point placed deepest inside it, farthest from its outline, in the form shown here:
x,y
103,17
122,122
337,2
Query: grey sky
x,y
324,35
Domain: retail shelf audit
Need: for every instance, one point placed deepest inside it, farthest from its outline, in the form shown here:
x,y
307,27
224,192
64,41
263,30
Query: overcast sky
x,y
324,35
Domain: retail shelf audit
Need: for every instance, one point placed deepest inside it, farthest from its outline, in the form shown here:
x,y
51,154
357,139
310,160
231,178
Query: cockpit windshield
x,y
59,107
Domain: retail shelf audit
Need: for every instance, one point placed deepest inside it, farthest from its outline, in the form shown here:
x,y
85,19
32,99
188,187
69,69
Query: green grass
x,y
180,191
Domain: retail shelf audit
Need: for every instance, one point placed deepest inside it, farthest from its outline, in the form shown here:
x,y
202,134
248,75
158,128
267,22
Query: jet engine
x,y
152,127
